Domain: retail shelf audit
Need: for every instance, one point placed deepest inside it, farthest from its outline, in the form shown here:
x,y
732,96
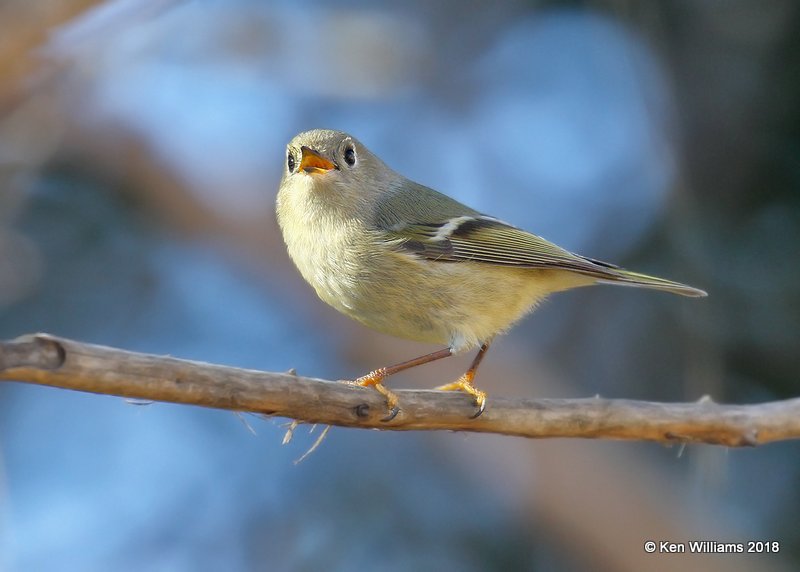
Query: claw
x,y
481,404
392,414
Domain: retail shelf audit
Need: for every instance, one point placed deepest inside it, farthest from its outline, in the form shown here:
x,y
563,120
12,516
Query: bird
x,y
409,261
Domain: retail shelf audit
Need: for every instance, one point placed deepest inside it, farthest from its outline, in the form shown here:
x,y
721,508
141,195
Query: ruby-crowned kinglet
x,y
408,261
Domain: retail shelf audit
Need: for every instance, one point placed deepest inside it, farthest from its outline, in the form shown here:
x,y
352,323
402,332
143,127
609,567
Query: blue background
x,y
140,153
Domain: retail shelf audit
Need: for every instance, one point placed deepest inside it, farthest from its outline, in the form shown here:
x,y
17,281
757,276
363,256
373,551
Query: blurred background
x,y
141,145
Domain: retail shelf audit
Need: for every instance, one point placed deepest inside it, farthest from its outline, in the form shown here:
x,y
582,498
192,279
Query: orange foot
x,y
375,379
464,383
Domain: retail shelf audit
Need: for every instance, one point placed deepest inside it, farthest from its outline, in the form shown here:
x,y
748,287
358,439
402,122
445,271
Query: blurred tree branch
x,y
59,362
25,27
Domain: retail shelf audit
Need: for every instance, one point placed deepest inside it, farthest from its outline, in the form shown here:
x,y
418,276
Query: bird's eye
x,y
290,162
350,156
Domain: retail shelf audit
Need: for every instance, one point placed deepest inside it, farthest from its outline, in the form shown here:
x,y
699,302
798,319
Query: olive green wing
x,y
487,240
432,226
491,241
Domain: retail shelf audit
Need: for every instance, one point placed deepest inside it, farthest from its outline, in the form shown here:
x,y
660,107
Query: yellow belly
x,y
459,304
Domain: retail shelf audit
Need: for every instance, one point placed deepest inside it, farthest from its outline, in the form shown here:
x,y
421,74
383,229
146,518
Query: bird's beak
x,y
312,162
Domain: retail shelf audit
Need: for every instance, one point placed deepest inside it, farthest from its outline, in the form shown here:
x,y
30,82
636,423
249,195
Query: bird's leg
x,y
375,378
464,383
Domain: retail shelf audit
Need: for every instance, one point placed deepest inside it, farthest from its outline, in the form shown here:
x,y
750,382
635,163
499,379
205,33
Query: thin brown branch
x,y
59,362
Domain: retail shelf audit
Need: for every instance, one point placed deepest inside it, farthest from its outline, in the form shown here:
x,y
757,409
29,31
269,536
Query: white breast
x,y
321,250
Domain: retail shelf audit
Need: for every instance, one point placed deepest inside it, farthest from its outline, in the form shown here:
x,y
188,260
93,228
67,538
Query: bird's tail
x,y
623,277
